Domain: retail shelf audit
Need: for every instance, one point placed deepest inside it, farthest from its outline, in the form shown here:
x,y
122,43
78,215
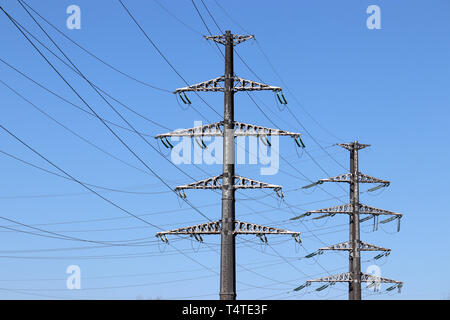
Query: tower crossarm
x,y
342,209
239,183
240,227
365,277
209,183
213,227
246,183
346,246
347,209
362,178
216,129
237,38
241,84
245,129
354,145
347,277
342,277
363,209
372,279
347,177
208,130
218,84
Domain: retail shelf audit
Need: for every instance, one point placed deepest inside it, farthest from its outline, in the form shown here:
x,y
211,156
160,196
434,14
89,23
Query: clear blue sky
x,y
387,87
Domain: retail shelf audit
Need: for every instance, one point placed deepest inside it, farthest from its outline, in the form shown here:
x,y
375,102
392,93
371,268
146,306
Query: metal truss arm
x,y
363,209
347,209
240,183
218,84
363,246
346,177
354,145
216,129
236,38
347,277
240,227
362,178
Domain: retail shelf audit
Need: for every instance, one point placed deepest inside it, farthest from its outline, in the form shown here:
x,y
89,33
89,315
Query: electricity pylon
x,y
354,209
228,227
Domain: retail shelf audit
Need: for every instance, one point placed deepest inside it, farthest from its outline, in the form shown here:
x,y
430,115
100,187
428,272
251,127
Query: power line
x,y
72,88
162,55
93,55
74,179
92,110
354,209
259,108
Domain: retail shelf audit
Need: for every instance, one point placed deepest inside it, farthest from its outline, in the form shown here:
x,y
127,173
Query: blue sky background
x,y
387,87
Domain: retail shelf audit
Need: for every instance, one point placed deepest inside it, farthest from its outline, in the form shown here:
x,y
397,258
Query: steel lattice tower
x,y
228,227
354,209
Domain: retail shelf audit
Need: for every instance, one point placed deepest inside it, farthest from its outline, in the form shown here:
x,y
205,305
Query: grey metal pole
x,y
354,253
228,249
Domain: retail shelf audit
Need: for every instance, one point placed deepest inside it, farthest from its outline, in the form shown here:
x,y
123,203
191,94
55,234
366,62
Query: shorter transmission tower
x,y
354,246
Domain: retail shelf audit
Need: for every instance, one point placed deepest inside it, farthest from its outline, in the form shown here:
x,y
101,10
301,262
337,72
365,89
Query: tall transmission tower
x,y
228,227
354,209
